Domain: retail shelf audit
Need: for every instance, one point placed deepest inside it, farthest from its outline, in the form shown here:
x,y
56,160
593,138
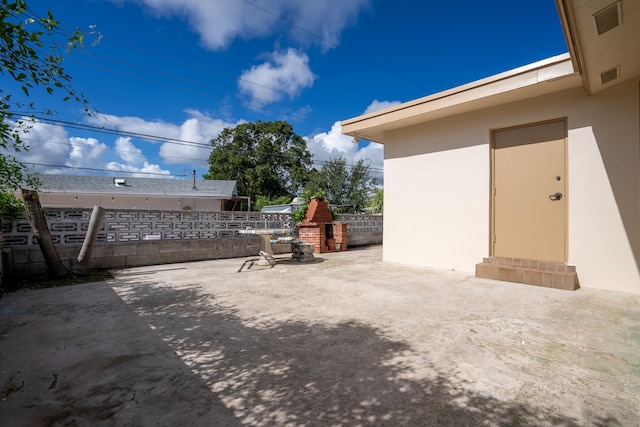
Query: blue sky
x,y
182,70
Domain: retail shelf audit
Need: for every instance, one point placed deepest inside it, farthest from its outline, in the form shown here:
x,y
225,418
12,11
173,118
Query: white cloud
x,y
136,125
198,130
47,144
129,152
52,145
220,22
333,144
324,18
183,144
85,151
285,73
52,150
379,105
134,171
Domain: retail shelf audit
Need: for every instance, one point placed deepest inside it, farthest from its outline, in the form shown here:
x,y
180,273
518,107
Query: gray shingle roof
x,y
145,186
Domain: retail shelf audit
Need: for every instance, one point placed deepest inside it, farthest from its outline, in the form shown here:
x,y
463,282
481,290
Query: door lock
x,y
555,196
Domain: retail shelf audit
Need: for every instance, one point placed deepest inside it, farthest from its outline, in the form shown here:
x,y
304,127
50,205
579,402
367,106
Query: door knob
x,y
555,196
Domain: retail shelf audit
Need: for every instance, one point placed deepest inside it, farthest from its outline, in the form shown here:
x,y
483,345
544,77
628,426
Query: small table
x,y
266,256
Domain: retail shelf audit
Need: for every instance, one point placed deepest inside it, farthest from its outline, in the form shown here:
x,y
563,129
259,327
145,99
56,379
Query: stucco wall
x,y
441,170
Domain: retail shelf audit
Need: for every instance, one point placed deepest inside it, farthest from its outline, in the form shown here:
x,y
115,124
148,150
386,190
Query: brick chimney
x,y
318,229
318,212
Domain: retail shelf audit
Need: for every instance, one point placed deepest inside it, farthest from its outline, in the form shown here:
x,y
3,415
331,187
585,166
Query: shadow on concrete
x,y
86,361
291,261
148,271
252,263
292,372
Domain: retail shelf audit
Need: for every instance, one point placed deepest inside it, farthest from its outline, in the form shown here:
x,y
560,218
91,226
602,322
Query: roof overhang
x,y
602,36
540,78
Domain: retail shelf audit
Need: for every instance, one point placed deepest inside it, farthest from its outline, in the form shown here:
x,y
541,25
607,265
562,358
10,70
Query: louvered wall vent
x,y
609,75
608,18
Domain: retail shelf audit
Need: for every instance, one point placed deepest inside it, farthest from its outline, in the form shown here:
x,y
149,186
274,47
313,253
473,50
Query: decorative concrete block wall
x,y
69,226
134,238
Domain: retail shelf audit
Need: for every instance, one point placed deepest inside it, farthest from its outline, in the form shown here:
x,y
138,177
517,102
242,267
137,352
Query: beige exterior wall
x,y
437,180
436,203
128,202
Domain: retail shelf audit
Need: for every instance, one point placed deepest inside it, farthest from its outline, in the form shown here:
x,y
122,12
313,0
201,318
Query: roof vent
x,y
609,75
119,182
608,18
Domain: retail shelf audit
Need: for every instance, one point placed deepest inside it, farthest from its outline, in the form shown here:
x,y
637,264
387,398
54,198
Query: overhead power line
x,y
121,132
114,150
96,169
154,138
258,105
250,101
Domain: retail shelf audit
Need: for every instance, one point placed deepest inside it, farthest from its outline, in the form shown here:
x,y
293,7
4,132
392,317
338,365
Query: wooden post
x,y
41,231
81,266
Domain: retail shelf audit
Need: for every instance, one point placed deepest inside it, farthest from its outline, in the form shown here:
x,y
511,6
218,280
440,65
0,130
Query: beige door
x,y
530,192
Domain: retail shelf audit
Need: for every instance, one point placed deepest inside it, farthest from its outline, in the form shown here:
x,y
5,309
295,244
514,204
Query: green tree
x,y
346,186
375,204
30,58
265,159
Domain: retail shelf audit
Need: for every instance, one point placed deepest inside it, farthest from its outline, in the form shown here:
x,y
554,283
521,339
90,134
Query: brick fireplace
x,y
318,229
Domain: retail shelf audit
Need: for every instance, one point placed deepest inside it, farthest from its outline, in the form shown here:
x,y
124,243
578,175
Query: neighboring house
x,y
537,163
140,193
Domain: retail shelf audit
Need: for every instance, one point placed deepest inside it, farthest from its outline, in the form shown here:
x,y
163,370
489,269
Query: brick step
x,y
549,274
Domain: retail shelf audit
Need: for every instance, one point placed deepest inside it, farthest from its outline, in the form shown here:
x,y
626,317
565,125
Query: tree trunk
x,y
81,266
41,231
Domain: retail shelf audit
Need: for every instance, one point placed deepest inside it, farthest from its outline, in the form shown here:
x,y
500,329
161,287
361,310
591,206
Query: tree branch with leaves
x,y
31,57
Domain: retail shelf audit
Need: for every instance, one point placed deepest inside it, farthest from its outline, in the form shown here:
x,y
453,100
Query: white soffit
x,y
540,78
604,38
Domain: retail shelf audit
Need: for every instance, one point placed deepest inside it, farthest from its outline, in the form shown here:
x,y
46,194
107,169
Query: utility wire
x,y
257,106
156,138
195,65
36,20
259,103
97,169
112,149
196,82
92,128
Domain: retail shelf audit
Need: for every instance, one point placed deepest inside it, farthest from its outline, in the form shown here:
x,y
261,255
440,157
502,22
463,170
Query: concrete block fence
x,y
130,238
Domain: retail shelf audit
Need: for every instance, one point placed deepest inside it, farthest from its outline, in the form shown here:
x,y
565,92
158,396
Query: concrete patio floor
x,y
344,341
